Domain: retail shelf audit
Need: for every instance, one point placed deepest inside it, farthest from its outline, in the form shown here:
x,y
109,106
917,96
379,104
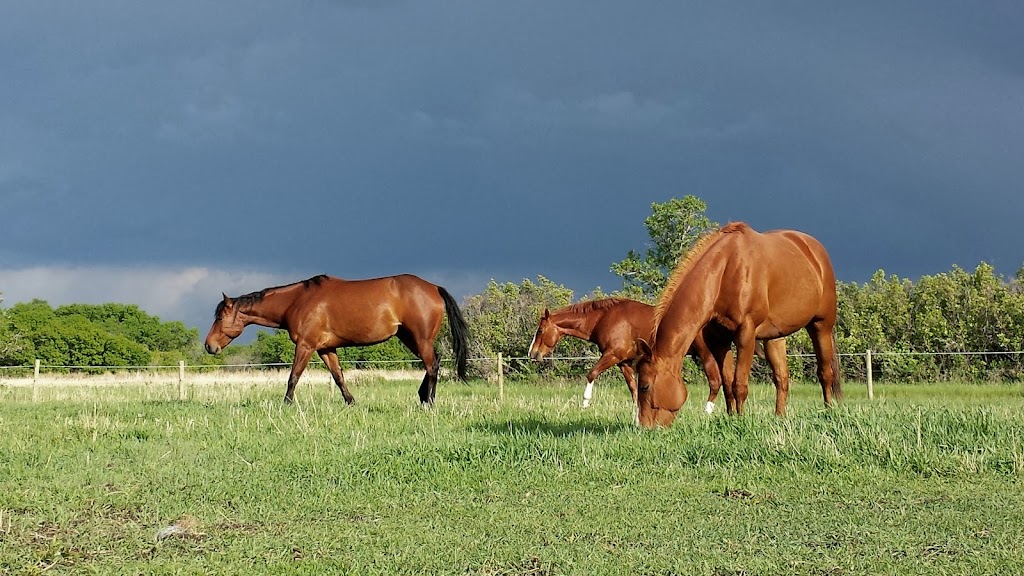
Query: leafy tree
x,y
130,321
673,228
273,347
83,343
11,343
70,340
504,319
935,318
391,354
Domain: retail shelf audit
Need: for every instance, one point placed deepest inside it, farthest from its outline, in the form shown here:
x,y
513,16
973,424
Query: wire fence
x,y
869,367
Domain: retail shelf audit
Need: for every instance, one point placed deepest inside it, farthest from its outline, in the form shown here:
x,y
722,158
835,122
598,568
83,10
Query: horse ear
x,y
227,300
644,348
546,314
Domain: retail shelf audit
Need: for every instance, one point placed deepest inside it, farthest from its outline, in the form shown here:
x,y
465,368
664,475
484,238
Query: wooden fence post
x,y
35,383
501,380
871,384
182,389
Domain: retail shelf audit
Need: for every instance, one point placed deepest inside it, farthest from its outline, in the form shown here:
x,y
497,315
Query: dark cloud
x,y
470,140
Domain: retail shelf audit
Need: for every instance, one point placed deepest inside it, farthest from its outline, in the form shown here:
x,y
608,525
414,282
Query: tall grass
x,y
925,479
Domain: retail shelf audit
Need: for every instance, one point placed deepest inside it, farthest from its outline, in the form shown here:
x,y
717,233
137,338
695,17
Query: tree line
x,y
930,322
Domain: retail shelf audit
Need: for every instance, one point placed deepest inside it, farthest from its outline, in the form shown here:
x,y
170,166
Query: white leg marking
x,y
588,393
636,415
710,407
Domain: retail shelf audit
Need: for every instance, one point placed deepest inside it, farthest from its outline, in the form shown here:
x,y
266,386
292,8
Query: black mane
x,y
252,298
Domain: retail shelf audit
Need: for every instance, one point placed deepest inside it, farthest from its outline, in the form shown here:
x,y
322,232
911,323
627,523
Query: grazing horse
x,y
616,324
752,286
323,313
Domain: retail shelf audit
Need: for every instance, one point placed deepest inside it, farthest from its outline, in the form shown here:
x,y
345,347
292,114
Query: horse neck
x,y
576,324
691,309
271,310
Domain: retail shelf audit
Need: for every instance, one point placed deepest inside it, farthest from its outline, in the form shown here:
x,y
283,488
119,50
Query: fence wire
x,y
894,366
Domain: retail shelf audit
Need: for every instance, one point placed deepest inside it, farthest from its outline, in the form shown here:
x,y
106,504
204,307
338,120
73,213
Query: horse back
x,y
368,311
796,278
780,280
619,327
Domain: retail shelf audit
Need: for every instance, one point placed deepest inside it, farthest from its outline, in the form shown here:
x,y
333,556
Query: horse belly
x,y
790,311
352,328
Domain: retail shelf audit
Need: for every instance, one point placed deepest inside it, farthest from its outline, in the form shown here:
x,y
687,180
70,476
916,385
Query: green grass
x,y
925,479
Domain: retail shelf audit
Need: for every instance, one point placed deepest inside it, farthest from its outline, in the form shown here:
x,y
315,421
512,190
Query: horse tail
x,y
460,332
837,385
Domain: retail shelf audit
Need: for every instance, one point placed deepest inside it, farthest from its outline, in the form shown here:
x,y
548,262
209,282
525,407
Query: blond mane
x,y
686,263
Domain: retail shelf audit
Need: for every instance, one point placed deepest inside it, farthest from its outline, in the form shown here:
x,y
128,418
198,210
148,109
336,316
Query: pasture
x,y
925,479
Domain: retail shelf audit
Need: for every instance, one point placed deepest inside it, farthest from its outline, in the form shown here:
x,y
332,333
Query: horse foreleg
x,y
745,344
627,373
302,356
775,353
605,362
727,365
330,358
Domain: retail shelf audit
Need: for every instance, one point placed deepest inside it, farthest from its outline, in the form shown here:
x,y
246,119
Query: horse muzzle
x,y
656,418
212,348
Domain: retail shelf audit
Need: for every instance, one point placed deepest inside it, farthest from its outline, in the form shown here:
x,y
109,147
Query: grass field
x,y
926,479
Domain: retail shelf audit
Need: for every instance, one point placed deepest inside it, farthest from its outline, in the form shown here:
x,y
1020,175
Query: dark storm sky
x,y
161,153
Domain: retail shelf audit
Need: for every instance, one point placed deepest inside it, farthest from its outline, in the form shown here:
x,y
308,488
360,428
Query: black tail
x,y
460,332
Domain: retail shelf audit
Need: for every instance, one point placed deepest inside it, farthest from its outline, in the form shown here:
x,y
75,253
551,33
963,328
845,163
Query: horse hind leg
x,y
828,361
712,349
429,385
424,350
711,361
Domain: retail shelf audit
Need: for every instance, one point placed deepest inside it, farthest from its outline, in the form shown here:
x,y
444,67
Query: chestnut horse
x,y
752,286
616,324
323,313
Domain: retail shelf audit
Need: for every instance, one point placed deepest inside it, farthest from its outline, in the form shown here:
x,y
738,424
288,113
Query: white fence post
x,y
871,384
182,389
35,383
501,380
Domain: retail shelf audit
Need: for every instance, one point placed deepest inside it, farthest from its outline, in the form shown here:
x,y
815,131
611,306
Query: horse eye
x,y
644,387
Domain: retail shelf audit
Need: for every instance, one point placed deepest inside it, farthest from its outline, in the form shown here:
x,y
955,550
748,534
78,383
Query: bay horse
x,y
324,313
749,285
616,324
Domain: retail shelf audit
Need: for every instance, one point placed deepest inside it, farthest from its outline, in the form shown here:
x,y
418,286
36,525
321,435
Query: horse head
x,y
226,326
661,391
546,338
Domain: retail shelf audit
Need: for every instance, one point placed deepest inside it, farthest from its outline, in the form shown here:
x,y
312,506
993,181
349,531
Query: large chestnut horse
x,y
323,314
753,286
616,324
